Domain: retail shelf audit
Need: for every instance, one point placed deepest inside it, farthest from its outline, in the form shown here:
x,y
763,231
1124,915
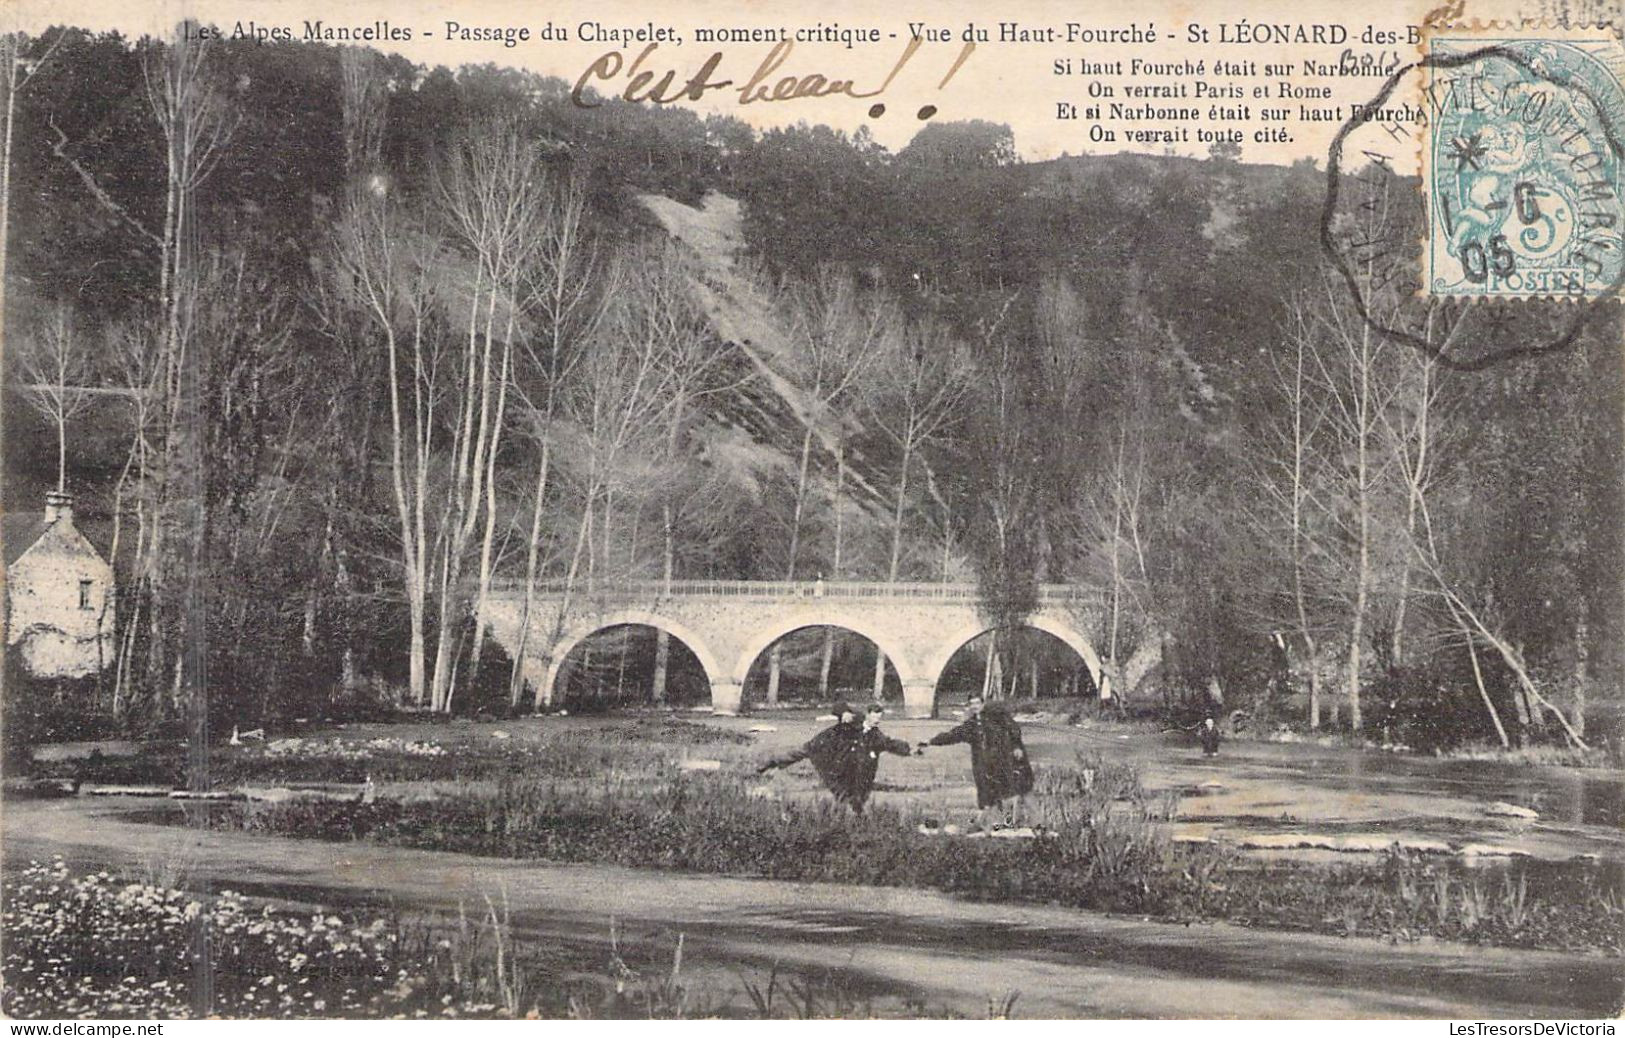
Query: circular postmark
x,y
1523,195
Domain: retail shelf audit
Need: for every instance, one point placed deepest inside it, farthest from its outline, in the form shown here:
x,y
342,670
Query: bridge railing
x,y
777,589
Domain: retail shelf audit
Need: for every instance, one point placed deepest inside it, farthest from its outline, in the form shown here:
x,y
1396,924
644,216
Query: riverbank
x,y
905,946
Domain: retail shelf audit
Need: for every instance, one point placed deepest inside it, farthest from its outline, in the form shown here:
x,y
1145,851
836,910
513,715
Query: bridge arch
x,y
579,633
1051,625
890,646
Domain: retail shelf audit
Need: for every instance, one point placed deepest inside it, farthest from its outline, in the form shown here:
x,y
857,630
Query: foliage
x,y
41,710
1574,907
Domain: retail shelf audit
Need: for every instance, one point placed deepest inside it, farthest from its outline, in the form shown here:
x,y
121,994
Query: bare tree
x,y
1413,433
54,367
1353,371
1477,623
617,410
1007,494
922,379
15,73
1129,504
196,122
1289,471
492,192
364,96
567,294
133,363
836,334
347,428
698,367
384,266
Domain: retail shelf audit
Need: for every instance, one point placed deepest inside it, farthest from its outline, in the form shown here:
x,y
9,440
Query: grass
x,y
1405,898
1106,851
1604,754
653,741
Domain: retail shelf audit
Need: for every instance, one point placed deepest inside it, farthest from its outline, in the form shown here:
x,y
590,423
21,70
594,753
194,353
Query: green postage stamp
x,y
1522,164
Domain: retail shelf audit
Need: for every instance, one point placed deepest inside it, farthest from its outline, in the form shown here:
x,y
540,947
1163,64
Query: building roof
x,y
19,531
29,532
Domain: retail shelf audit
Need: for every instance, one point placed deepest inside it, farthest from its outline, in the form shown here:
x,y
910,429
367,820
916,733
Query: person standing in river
x,y
1209,734
998,758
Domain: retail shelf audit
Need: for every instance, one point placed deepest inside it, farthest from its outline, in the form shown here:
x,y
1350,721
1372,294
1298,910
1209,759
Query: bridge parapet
x,y
653,590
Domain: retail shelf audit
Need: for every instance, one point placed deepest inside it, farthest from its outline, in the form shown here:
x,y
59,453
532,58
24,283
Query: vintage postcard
x,y
727,510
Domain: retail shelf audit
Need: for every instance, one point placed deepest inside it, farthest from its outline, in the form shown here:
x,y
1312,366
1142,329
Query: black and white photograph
x,y
726,511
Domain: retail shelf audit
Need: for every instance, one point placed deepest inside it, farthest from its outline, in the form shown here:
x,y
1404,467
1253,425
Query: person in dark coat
x,y
870,744
832,752
1209,734
998,759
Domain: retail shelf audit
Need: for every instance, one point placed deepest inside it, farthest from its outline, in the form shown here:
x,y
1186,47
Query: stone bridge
x,y
728,624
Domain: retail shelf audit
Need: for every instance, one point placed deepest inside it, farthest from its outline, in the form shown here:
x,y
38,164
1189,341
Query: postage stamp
x,y
1522,163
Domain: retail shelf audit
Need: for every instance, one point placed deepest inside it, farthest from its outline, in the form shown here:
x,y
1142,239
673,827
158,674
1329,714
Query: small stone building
x,y
59,594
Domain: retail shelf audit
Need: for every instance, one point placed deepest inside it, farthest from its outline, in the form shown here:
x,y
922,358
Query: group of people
x,y
847,754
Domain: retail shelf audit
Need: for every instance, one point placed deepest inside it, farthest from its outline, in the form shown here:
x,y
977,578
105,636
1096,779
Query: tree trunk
x,y
440,689
800,505
1362,571
620,667
668,558
992,676
1582,670
1314,692
307,628
897,515
773,675
824,662
488,534
61,447
835,506
657,688
543,695
416,678
10,53
516,677
1484,694
1514,661
1300,448
1117,568
896,559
